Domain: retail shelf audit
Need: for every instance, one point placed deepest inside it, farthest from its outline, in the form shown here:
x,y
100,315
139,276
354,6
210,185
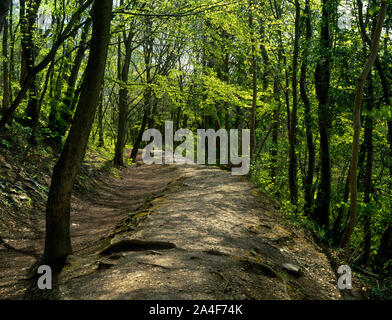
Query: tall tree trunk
x,y
357,124
322,82
57,239
276,116
49,74
368,172
308,188
293,181
73,77
101,140
275,131
123,104
11,73
148,51
135,149
337,225
28,15
253,72
6,84
58,115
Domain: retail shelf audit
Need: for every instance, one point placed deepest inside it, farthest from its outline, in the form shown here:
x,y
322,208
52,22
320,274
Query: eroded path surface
x,y
93,217
210,235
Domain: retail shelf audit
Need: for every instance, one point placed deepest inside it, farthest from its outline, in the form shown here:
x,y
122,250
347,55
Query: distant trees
x,y
66,32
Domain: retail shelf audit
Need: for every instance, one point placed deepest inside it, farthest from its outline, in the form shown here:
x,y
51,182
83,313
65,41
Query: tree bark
x,y
148,51
73,77
57,238
337,225
6,85
322,83
293,181
253,72
368,173
28,15
275,132
308,188
123,103
101,140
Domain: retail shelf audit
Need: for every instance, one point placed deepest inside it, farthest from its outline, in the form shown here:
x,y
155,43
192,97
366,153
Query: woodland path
x,y
93,217
209,236
193,232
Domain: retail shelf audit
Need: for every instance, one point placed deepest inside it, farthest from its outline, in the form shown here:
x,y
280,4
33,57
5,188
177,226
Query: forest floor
x,y
175,232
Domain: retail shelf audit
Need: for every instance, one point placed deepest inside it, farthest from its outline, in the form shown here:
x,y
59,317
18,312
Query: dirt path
x,y
210,236
93,218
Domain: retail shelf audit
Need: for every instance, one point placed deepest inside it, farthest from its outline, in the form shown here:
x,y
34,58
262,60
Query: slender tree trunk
x,y
57,240
357,124
41,100
122,128
322,82
6,85
337,225
73,77
287,95
28,15
308,188
11,73
368,172
253,72
276,120
293,181
135,149
101,140
123,109
148,51
275,131
58,116
226,78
